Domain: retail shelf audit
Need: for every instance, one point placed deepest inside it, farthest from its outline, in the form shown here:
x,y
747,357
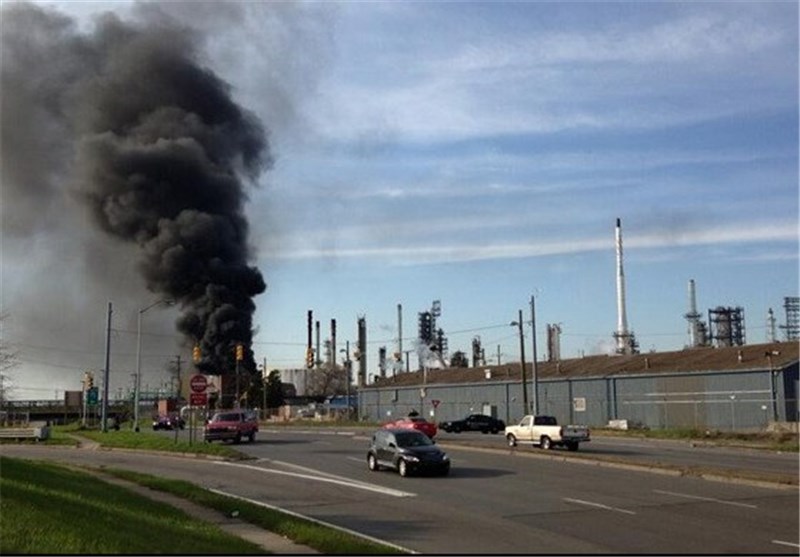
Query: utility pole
x,y
518,323
264,377
178,382
534,379
104,412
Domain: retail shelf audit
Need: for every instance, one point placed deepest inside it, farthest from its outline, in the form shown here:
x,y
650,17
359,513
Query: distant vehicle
x,y
545,432
414,423
168,422
408,451
474,422
231,425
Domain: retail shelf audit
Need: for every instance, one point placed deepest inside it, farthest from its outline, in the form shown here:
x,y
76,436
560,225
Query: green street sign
x,y
92,395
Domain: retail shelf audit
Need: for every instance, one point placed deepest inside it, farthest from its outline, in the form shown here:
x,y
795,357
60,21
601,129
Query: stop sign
x,y
198,383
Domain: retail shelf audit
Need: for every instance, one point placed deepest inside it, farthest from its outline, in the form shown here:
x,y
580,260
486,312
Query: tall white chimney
x,y
693,318
624,338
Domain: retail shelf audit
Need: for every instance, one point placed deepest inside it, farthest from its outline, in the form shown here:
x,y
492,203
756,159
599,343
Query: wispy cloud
x,y
420,254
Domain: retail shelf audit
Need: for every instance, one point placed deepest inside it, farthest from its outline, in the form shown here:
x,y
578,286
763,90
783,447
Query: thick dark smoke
x,y
155,147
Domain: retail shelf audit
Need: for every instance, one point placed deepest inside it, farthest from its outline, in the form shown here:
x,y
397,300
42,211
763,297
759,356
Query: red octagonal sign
x,y
198,383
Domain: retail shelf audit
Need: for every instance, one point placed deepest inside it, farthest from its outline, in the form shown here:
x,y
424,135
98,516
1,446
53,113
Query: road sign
x,y
435,403
198,383
198,399
92,395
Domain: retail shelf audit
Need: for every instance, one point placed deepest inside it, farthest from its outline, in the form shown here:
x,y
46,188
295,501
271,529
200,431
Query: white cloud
x,y
742,233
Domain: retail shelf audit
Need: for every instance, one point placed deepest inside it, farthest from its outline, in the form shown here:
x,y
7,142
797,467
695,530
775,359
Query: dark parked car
x,y
474,422
407,451
168,422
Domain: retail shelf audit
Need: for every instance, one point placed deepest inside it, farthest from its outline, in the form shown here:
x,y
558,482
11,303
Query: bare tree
x,y
8,360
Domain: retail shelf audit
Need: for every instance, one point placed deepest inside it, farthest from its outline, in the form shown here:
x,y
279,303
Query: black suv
x,y
407,451
474,422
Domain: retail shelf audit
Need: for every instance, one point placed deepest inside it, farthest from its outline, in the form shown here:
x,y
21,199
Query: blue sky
x,y
478,153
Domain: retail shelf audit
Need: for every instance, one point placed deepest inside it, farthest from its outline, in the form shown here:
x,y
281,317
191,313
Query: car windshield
x,y
412,440
226,418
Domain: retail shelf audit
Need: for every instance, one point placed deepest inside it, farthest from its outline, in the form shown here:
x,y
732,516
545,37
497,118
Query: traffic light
x,y
89,380
309,357
239,352
196,355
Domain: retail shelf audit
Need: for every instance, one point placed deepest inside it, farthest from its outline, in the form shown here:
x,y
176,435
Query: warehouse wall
x,y
709,400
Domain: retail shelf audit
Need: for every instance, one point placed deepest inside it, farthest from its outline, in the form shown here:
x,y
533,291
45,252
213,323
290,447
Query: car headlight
x,y
411,458
445,457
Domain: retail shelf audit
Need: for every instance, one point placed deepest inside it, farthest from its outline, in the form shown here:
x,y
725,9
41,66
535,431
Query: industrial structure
x,y
432,346
726,326
553,342
792,327
625,339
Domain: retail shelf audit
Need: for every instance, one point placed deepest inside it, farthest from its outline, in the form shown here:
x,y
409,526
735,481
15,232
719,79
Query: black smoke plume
x,y
155,147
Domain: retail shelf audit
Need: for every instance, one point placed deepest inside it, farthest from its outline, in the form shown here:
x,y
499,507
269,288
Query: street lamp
x,y
138,385
518,324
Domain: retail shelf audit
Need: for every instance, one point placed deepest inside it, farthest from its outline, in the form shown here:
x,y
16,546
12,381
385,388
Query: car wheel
x,y
484,431
446,471
372,462
494,430
511,440
238,438
545,443
252,437
456,430
402,468
572,446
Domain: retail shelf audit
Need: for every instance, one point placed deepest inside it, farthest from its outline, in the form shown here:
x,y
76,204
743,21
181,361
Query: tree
x,y
8,360
274,389
459,359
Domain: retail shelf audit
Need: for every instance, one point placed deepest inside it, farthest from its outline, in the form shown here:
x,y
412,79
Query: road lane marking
x,y
314,520
597,505
790,544
709,499
314,476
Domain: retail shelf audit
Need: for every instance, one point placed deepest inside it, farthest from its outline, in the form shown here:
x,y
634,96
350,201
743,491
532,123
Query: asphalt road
x,y
493,502
659,452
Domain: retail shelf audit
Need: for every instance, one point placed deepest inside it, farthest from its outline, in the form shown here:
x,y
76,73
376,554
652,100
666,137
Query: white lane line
x,y
597,505
790,544
709,499
315,521
314,476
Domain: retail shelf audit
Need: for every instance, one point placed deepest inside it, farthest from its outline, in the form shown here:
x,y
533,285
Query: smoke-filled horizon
x,y
126,120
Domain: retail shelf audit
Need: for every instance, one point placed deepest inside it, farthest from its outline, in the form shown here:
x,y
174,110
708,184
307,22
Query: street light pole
x,y
138,384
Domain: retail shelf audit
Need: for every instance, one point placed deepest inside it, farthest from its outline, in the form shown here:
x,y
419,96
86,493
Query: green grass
x,y
50,509
319,537
145,440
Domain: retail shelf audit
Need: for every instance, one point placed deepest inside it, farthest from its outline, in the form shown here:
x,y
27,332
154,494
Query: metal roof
x,y
749,357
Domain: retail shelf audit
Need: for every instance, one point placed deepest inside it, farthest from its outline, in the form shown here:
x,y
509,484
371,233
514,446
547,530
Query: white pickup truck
x,y
545,432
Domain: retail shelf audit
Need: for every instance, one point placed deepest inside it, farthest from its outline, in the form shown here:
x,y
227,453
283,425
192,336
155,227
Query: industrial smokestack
x,y
624,338
693,317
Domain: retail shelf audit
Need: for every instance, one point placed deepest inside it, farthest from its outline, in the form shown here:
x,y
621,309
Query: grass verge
x,y
324,539
145,440
51,509
778,441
